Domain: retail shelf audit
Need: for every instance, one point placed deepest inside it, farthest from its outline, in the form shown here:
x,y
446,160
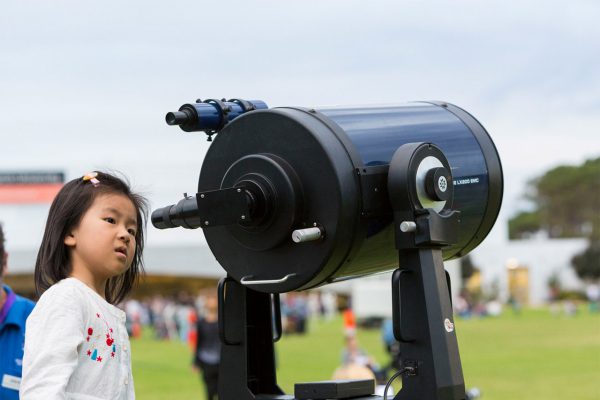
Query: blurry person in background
x,y
182,315
593,294
14,311
355,361
353,354
208,347
349,322
301,312
392,346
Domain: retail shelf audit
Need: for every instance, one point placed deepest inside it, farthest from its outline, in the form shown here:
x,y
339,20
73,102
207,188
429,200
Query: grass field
x,y
534,356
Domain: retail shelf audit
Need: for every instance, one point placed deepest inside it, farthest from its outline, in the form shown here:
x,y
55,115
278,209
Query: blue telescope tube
x,y
211,115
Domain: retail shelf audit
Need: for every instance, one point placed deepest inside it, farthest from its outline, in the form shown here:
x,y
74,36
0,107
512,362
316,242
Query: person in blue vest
x,y
14,311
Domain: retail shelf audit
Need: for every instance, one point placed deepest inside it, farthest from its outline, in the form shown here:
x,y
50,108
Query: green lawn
x,y
530,356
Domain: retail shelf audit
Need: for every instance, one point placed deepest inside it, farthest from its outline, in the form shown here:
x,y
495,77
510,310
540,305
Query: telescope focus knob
x,y
437,184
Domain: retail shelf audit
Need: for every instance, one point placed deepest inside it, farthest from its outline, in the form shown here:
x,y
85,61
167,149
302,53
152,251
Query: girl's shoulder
x,y
70,295
62,304
68,292
67,287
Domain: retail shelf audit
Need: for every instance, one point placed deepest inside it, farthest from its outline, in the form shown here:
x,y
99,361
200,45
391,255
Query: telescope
x,y
293,198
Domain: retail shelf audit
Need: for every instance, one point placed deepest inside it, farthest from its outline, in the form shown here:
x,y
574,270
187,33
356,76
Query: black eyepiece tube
x,y
184,214
177,118
160,218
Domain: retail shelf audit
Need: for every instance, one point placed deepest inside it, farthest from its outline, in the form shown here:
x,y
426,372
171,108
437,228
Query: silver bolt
x,y
306,235
201,196
243,217
239,190
377,190
314,224
408,226
205,222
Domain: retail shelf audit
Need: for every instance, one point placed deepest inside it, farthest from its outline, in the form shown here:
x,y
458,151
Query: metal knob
x,y
408,226
306,235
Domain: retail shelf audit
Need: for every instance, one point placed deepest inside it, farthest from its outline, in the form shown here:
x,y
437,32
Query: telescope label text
x,y
466,181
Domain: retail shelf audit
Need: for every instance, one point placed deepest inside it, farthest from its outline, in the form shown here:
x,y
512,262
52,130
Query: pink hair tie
x,y
91,176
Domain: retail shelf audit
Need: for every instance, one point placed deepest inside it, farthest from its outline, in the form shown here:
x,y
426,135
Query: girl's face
x,y
103,244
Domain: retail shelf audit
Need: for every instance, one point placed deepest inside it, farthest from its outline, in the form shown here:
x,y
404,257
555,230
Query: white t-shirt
x,y
76,347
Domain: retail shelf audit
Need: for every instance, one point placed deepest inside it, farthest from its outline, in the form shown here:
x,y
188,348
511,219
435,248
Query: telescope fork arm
x,y
423,315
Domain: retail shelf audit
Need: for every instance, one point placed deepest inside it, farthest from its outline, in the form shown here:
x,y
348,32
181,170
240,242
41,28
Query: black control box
x,y
338,389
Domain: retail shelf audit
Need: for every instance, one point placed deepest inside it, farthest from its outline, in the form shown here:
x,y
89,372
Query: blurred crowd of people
x,y
466,306
170,317
175,317
298,307
189,319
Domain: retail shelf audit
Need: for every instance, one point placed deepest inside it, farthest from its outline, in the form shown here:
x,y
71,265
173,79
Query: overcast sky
x,y
85,85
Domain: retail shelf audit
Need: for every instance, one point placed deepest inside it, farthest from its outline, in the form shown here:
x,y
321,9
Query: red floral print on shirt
x,y
101,340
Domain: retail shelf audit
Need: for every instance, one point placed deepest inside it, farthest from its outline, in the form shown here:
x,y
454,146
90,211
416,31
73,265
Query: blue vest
x,y
12,339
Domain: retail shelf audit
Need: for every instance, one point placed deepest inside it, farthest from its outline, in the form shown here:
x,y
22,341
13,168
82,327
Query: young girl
x,y
76,344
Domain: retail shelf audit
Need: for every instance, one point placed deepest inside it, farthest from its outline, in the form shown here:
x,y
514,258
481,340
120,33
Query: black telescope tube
x,y
184,213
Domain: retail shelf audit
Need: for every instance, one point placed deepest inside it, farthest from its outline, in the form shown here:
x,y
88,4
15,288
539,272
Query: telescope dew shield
x,y
327,168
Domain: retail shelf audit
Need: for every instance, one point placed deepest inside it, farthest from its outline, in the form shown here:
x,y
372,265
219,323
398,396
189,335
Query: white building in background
x,y
372,296
537,260
542,258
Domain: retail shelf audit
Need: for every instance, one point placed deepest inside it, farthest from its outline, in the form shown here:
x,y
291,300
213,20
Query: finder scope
x,y
211,115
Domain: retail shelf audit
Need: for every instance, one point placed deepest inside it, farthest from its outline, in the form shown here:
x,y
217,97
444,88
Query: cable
x,y
409,370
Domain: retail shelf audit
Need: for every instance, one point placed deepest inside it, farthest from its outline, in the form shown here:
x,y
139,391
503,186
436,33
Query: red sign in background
x,y
27,187
27,193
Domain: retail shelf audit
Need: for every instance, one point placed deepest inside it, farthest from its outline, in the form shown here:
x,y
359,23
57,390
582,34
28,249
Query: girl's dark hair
x,y
1,242
70,204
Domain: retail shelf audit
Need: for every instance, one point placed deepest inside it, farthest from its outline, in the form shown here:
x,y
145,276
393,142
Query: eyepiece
x,y
177,118
184,214
160,218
